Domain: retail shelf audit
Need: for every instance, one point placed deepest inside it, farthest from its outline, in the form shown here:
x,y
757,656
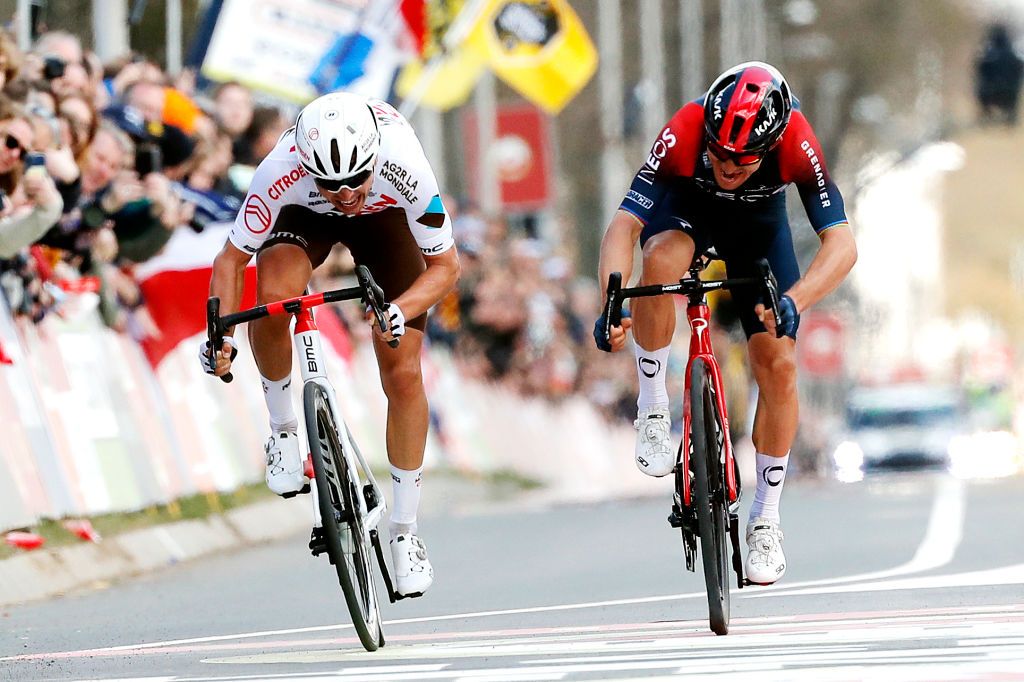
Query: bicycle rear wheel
x,y
347,545
709,495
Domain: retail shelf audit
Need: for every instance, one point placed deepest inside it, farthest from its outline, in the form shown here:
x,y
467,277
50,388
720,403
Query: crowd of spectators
x,y
101,163
523,316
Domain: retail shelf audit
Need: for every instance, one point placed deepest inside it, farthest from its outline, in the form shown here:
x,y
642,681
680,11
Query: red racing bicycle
x,y
707,483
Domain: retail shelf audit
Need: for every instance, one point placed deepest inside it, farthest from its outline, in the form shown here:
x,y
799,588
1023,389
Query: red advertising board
x,y
819,345
520,153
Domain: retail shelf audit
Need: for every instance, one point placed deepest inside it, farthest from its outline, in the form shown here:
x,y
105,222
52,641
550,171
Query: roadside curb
x,y
47,573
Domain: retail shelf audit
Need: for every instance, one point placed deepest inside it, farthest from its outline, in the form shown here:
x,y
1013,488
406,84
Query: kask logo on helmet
x,y
766,125
717,110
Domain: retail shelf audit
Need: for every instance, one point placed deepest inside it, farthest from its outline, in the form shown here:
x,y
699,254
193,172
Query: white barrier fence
x,y
88,427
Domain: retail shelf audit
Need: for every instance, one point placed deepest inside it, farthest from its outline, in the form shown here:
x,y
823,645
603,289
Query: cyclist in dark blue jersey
x,y
716,176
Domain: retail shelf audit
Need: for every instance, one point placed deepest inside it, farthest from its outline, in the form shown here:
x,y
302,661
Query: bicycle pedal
x,y
675,519
304,490
411,595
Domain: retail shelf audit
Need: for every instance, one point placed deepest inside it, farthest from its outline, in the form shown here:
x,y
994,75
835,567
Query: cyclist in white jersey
x,y
351,171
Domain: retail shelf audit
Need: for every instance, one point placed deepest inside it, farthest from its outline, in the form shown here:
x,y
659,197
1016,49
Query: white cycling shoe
x,y
766,561
654,442
413,572
286,470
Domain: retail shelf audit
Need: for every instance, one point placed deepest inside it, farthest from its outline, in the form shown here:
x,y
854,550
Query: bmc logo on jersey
x,y
257,214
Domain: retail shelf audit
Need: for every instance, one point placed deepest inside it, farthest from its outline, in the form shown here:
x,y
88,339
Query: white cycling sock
x,y
278,395
771,474
651,367
405,486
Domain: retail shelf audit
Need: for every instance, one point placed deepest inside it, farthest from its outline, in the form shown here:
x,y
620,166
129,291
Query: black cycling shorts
x,y
380,241
741,233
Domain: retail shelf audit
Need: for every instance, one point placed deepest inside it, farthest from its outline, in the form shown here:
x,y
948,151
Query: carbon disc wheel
x,y
709,496
342,524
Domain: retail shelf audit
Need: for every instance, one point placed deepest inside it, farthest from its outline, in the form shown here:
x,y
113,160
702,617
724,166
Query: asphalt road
x,y
909,577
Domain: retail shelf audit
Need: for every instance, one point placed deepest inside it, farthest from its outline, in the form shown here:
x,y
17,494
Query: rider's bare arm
x,y
617,246
834,260
617,256
431,286
228,278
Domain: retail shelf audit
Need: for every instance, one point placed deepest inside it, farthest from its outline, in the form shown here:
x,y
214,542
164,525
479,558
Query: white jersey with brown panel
x,y
402,179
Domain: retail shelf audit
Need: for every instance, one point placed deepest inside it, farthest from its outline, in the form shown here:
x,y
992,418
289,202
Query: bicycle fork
x,y
309,347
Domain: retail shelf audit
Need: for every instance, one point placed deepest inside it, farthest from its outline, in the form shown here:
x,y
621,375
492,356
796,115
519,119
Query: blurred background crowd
x,y
125,155
102,161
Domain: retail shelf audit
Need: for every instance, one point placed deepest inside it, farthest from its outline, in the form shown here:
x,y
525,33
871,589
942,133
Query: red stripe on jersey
x,y
680,143
800,158
745,102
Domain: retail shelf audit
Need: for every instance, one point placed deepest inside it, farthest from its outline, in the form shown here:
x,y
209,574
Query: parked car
x,y
899,427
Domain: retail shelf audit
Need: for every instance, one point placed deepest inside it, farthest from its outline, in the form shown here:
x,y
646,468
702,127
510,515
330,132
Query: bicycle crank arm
x,y
737,559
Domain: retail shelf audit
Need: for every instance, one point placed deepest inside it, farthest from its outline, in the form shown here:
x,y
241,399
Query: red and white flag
x,y
176,283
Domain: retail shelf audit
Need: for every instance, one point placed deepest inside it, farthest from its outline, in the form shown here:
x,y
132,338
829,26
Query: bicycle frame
x,y
699,315
311,362
309,348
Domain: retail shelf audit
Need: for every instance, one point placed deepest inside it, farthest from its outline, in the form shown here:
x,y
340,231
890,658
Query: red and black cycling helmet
x,y
746,110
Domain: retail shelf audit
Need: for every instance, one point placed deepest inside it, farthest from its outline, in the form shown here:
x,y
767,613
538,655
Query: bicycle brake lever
x,y
373,297
772,287
613,300
215,334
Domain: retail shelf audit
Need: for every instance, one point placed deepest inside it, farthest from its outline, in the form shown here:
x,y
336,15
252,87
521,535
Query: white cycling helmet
x,y
337,140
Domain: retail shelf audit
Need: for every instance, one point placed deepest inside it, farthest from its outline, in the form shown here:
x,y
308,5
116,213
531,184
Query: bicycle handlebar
x,y
368,290
615,294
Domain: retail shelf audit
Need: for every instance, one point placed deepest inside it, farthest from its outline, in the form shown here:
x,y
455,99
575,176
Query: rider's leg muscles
x,y
283,271
408,415
667,255
666,258
384,244
407,423
773,362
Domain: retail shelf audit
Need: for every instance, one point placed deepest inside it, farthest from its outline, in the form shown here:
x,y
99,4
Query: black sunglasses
x,y
12,143
352,183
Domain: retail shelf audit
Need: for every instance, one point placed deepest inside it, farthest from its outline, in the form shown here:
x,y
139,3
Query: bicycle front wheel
x,y
343,527
709,494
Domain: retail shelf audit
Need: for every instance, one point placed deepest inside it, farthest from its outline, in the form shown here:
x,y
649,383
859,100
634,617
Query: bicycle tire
x,y
336,493
709,496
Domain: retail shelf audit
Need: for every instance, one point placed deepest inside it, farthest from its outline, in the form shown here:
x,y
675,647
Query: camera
x,y
34,159
53,67
148,159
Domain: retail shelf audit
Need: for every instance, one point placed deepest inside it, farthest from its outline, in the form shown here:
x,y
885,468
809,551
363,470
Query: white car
x,y
899,427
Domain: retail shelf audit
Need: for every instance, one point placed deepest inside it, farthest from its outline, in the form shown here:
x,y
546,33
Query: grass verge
x,y
500,484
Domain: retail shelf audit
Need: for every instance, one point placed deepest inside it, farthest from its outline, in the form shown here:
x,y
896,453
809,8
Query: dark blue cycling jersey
x,y
679,159
676,190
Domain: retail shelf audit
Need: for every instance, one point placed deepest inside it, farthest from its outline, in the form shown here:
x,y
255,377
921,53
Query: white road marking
x,y
937,548
1008,575
962,643
1003,576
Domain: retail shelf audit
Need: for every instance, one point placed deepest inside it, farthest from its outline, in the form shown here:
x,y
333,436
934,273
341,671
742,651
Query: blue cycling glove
x,y
602,332
787,319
